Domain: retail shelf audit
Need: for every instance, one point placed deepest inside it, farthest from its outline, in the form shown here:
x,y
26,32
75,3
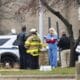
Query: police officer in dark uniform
x,y
22,51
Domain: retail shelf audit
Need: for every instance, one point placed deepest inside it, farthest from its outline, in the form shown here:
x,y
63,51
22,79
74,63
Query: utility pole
x,y
41,21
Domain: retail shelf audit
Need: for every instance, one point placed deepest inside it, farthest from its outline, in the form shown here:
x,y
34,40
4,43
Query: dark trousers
x,y
76,56
23,57
34,62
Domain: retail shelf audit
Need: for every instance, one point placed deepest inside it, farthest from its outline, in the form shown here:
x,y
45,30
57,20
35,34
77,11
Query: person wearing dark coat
x,y
64,42
21,37
64,45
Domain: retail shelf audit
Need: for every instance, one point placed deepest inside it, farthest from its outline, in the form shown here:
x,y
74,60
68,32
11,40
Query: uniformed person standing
x,y
22,51
33,44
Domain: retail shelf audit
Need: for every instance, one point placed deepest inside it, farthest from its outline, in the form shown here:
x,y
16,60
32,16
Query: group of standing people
x,y
55,45
30,46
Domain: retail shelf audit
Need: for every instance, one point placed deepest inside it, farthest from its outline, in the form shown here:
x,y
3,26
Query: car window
x,y
3,41
15,42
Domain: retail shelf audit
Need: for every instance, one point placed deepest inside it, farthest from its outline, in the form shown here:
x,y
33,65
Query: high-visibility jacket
x,y
33,44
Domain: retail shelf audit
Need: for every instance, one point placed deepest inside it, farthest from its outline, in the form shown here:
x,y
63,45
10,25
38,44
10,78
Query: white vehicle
x,y
9,52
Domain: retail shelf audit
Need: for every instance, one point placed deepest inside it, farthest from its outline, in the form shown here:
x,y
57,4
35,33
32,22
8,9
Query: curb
x,y
39,76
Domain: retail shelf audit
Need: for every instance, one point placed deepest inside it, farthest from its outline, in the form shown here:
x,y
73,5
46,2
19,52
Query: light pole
x,y
79,13
41,21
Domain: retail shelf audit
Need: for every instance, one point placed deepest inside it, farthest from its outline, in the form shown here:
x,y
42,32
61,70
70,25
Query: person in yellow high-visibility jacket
x,y
33,45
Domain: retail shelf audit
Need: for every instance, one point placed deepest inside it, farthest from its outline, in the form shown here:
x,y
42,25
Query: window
x,y
15,42
2,41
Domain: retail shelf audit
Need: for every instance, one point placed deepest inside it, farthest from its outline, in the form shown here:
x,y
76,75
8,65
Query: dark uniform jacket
x,y
21,38
64,43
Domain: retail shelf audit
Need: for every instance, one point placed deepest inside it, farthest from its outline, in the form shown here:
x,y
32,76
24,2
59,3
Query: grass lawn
x,y
60,71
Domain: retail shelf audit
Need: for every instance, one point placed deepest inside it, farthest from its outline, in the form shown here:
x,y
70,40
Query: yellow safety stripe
x,y
27,43
33,52
33,43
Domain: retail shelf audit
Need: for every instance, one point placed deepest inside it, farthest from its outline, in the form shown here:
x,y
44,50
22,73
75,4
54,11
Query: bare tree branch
x,y
7,2
58,14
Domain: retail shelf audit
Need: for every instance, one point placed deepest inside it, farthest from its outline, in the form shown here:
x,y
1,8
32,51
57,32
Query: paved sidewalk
x,y
36,77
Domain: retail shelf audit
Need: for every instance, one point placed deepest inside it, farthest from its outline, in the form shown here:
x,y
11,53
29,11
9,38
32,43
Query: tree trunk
x,y
69,29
